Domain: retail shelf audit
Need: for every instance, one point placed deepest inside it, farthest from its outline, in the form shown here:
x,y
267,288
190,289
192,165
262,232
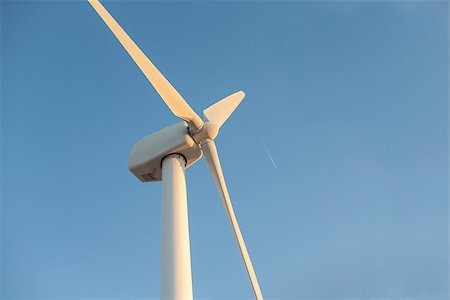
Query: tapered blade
x,y
168,93
211,155
220,111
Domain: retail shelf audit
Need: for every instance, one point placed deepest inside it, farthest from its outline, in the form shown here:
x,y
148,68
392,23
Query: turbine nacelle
x,y
145,159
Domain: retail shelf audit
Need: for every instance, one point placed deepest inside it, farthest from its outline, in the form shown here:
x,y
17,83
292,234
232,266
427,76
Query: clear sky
x,y
350,99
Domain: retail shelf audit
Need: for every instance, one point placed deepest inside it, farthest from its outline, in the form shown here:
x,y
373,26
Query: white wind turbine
x,y
164,155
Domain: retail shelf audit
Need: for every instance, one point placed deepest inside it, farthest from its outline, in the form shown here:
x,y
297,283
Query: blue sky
x,y
350,98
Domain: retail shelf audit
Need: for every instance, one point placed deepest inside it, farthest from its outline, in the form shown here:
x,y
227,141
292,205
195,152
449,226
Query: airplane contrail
x,y
268,153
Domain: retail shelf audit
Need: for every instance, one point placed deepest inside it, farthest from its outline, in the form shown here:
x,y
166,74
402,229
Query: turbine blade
x,y
211,155
168,93
220,111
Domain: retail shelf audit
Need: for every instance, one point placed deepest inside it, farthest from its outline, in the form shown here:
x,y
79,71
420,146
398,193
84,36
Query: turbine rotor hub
x,y
209,131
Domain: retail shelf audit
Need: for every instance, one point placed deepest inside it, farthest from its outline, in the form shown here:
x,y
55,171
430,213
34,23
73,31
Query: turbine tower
x,y
164,156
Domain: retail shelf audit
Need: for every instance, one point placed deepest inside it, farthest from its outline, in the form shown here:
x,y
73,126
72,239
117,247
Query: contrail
x,y
268,153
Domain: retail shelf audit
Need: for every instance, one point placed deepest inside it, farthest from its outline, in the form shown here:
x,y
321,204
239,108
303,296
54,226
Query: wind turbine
x,y
164,155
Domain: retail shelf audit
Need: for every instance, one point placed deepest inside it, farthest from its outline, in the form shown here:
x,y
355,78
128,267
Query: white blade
x,y
210,153
170,95
220,111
